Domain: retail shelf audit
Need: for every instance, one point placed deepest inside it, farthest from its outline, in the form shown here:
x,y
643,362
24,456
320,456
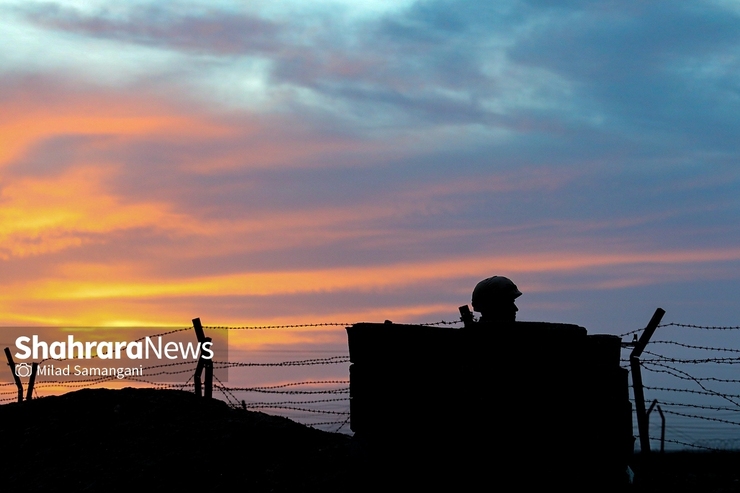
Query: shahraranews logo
x,y
109,350
149,347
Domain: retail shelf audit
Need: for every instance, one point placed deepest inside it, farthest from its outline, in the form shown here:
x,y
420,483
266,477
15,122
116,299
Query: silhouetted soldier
x,y
494,299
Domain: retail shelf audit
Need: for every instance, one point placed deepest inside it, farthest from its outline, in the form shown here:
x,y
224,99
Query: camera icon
x,y
23,370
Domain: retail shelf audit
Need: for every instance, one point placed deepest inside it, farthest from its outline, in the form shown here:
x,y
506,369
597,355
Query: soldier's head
x,y
494,299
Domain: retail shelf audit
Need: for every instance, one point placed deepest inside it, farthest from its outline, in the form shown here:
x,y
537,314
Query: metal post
x,y
34,369
202,363
662,422
662,430
198,330
208,392
642,417
648,333
642,424
196,379
199,368
17,379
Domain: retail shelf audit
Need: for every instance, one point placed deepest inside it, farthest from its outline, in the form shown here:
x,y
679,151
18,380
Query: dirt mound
x,y
124,440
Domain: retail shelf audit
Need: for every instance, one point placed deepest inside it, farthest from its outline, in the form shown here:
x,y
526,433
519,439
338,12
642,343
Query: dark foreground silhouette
x,y
146,439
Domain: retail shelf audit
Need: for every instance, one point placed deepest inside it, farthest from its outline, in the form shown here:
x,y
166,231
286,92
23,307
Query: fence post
x,y
202,363
17,379
208,391
662,430
662,422
32,380
642,416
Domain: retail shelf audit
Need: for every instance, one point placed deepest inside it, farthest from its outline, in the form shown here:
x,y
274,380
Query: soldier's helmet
x,y
494,291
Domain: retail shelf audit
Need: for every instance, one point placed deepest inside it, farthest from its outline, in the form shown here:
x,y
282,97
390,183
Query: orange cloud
x,y
119,281
32,115
47,214
43,215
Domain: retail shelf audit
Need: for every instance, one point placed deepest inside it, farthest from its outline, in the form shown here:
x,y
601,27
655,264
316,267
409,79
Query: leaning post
x,y
32,380
202,363
17,379
642,415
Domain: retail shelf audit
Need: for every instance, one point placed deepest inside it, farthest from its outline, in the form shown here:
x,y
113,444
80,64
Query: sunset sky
x,y
342,161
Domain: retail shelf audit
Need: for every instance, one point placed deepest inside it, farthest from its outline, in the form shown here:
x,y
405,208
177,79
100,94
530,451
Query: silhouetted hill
x,y
147,439
135,439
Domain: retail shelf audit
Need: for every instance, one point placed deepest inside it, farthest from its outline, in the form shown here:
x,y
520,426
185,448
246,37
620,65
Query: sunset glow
x,y
244,165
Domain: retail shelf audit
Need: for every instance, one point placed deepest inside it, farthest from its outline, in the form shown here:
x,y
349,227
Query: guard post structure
x,y
542,402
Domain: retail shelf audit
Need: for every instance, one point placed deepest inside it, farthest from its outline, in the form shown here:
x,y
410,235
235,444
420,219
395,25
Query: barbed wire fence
x,y
690,373
303,400
692,378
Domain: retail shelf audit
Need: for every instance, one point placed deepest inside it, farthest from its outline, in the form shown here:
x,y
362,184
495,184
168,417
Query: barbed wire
x,y
695,361
691,326
329,423
150,382
688,391
174,331
655,363
77,384
687,444
308,382
676,368
698,406
225,391
318,324
442,322
268,327
289,392
317,401
682,374
344,423
691,346
325,423
697,416
692,378
302,409
702,327
306,362
187,382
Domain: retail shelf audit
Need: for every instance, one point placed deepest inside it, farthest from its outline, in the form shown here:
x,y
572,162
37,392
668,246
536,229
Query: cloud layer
x,y
307,163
